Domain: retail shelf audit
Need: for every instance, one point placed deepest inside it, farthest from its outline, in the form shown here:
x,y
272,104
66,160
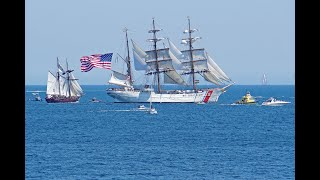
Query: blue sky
x,y
246,38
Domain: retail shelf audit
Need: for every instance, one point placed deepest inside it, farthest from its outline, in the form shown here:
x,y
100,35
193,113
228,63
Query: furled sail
x,y
119,79
187,41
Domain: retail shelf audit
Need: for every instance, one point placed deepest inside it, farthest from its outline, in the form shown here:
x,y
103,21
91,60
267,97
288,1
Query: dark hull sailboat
x,y
62,99
63,87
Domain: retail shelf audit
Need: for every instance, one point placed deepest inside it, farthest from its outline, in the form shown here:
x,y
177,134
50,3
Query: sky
x,y
246,38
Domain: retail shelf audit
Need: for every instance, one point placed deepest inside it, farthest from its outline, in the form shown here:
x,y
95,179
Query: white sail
x,y
64,86
172,77
138,50
199,60
174,50
163,58
139,63
211,78
119,79
216,74
197,54
164,64
162,54
216,67
76,90
52,84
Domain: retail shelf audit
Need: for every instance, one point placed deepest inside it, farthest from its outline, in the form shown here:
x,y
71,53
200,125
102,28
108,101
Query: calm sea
x,y
108,140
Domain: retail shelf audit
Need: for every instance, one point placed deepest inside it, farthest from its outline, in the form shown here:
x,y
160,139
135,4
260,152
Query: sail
x,y
52,84
163,58
162,54
75,88
217,68
64,86
138,50
119,79
165,64
211,78
139,63
175,50
175,61
199,60
172,77
197,54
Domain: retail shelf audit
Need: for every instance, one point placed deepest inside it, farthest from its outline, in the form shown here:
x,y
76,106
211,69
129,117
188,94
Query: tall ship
x,y
62,87
169,65
264,80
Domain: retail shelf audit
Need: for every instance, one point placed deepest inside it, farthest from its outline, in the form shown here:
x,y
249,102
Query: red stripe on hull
x,y
208,95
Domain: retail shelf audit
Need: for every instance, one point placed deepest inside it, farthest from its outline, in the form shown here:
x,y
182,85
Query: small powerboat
x,y
246,99
95,100
274,102
142,107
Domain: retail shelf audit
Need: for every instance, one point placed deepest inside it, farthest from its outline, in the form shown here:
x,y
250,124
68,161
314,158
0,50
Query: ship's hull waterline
x,y
72,99
135,96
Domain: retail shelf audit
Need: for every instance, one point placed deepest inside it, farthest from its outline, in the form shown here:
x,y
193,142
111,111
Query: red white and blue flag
x,y
96,60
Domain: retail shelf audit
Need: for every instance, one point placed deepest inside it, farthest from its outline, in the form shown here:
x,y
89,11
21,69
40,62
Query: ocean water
x,y
108,140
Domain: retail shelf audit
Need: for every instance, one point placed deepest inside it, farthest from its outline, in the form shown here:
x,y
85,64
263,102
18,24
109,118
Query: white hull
x,y
274,103
138,96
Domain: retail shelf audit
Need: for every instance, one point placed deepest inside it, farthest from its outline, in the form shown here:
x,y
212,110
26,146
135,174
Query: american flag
x,y
96,60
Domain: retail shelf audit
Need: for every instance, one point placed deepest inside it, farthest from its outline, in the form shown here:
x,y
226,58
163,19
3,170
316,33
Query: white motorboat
x,y
142,107
274,102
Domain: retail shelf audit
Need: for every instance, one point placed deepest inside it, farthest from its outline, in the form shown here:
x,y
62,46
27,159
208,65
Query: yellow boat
x,y
247,99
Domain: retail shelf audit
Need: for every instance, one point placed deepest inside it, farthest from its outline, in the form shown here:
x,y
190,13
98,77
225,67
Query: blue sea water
x,y
108,140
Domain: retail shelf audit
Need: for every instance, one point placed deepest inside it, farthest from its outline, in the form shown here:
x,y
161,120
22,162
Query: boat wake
x,y
36,91
123,110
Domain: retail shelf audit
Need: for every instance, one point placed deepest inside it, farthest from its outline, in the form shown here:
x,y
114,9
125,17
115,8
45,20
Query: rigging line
x,y
122,58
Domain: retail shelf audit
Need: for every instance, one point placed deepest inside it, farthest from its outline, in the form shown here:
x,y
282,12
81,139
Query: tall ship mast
x,y
169,65
62,87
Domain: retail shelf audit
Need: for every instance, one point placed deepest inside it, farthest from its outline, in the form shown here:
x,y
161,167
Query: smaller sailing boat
x,y
264,79
152,110
62,87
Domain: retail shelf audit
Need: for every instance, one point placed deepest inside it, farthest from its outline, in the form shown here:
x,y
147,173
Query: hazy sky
x,y
246,37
